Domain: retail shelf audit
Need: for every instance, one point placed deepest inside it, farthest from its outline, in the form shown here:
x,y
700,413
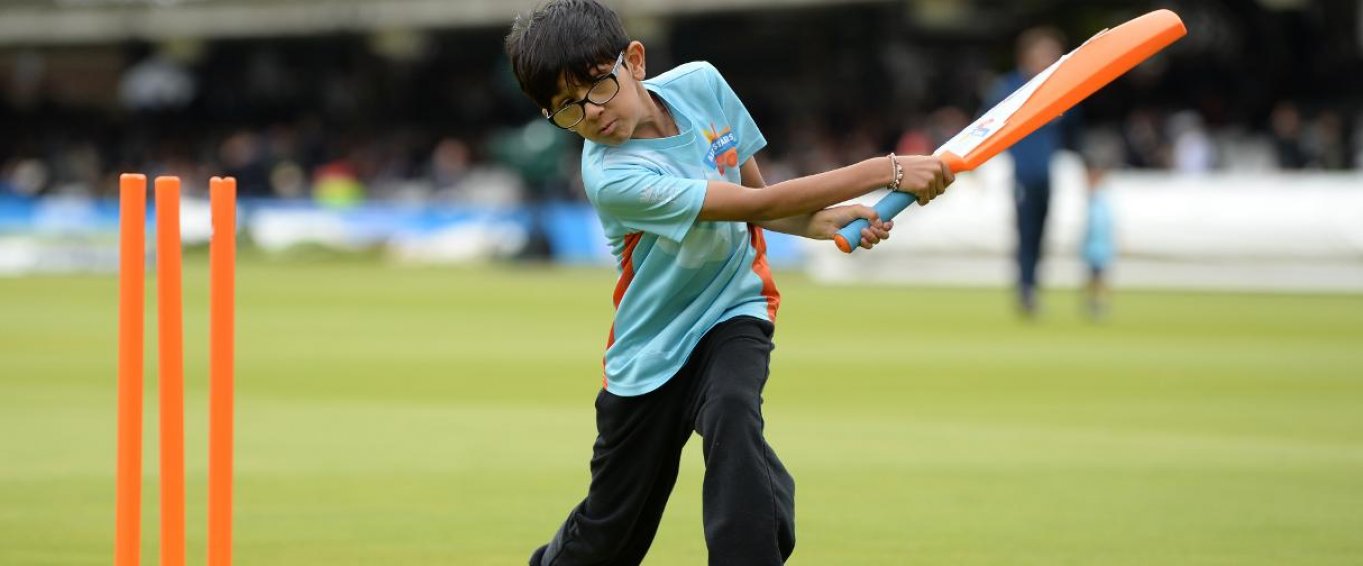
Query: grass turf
x,y
420,416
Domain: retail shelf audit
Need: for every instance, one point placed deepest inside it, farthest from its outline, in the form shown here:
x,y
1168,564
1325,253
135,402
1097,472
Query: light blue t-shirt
x,y
1100,241
678,277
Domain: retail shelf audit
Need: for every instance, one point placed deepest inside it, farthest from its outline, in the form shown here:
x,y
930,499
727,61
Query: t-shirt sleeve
x,y
649,201
750,139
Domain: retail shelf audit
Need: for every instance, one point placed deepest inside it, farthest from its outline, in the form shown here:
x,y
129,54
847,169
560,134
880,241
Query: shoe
x,y
1027,303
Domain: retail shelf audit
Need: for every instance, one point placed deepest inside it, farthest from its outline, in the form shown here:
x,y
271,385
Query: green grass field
x,y
444,416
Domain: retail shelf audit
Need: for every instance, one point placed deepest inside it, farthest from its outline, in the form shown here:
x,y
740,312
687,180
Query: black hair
x,y
568,38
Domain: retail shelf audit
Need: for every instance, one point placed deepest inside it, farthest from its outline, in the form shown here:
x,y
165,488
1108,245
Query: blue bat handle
x,y
849,237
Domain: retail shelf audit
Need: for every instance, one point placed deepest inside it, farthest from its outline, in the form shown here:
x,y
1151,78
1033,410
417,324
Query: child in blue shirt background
x,y
1099,247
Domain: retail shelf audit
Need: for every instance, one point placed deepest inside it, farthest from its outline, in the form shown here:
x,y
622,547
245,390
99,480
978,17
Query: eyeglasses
x,y
602,91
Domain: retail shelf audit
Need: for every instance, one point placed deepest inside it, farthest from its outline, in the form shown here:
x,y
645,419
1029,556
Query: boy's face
x,y
608,109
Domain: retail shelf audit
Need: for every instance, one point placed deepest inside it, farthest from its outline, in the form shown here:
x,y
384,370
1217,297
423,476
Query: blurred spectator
x,y
156,83
1324,143
857,144
536,151
945,122
1193,151
914,141
26,178
243,156
449,167
941,125
1037,49
289,180
1145,143
457,177
1099,244
338,186
777,168
812,150
1285,122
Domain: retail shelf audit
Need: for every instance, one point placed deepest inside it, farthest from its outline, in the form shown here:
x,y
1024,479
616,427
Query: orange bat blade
x,y
1091,66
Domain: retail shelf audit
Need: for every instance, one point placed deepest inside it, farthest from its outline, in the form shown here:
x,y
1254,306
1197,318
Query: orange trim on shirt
x,y
763,271
626,276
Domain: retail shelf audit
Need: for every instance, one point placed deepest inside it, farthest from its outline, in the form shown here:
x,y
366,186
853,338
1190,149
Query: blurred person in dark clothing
x,y
23,179
1145,140
242,157
449,164
1037,49
1285,123
1324,142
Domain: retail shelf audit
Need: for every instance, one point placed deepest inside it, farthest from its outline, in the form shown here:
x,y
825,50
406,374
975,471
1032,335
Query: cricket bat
x,y
1080,73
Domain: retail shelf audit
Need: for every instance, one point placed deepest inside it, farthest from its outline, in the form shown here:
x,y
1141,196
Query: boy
x,y
668,164
1100,242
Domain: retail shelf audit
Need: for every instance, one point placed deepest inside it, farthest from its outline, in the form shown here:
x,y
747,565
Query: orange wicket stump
x,y
132,266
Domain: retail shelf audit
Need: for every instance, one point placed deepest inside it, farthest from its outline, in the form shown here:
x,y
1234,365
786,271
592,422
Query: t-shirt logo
x,y
723,152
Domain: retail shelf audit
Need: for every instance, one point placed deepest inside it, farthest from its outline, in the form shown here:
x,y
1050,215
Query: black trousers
x,y
748,497
1033,202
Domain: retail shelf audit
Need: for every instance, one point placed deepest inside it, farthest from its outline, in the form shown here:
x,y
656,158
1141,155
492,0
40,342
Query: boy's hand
x,y
825,223
925,177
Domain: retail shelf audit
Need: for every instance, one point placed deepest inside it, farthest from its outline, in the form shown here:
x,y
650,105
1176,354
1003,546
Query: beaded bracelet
x,y
898,173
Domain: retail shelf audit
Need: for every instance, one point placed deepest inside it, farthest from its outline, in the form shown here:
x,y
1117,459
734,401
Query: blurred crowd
x,y
338,121
437,117
1176,140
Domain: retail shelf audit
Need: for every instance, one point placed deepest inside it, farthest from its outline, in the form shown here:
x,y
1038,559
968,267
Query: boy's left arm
x,y
821,225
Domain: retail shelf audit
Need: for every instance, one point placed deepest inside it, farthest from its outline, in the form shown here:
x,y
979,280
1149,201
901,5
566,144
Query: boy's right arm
x,y
925,177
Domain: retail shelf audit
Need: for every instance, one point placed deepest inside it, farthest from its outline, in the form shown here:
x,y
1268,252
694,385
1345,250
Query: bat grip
x,y
848,238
